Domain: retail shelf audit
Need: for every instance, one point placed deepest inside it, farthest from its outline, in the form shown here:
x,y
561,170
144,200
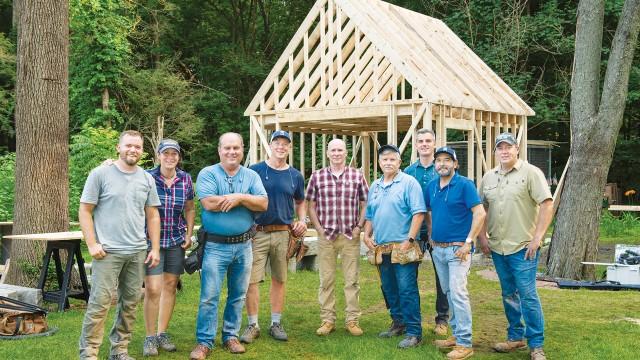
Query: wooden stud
x,y
313,152
324,150
302,154
253,142
366,156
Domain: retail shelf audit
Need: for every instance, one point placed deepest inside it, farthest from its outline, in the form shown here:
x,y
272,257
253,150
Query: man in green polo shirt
x,y
519,211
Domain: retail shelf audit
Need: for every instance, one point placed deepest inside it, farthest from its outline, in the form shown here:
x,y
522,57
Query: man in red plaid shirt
x,y
337,198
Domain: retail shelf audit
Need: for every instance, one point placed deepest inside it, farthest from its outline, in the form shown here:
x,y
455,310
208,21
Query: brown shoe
x,y
234,346
537,354
441,329
446,343
200,352
509,346
460,352
326,328
354,328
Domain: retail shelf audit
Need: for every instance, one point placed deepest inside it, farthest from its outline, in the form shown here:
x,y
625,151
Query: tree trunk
x,y
42,121
595,124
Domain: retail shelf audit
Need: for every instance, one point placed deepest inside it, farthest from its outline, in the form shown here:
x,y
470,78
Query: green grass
x,y
579,325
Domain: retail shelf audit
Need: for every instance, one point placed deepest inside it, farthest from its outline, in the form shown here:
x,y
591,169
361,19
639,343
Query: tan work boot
x,y
441,329
537,354
234,346
460,352
200,352
446,343
353,328
326,328
509,346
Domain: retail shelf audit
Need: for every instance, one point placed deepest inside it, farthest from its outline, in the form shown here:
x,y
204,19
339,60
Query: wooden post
x,y
392,125
324,150
253,143
313,152
291,152
489,141
366,157
375,155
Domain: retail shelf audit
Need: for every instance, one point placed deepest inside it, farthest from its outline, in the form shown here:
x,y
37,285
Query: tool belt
x,y
398,255
296,248
446,244
272,228
20,318
235,239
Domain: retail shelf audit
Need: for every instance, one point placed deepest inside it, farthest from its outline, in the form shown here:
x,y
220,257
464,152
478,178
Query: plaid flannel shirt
x,y
337,199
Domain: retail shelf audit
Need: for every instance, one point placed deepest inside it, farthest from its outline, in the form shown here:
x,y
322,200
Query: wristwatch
x,y
411,239
469,240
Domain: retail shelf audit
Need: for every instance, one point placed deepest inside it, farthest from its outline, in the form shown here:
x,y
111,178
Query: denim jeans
x,y
520,297
453,279
442,304
115,272
220,260
400,290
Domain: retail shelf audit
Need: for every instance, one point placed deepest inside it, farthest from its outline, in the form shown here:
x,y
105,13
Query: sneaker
x,y
409,342
234,346
121,356
354,328
326,328
396,329
460,352
164,342
509,346
251,333
441,329
200,352
277,332
150,346
537,354
446,343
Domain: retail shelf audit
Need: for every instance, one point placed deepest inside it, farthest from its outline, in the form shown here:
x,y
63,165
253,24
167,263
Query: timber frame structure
x,y
358,68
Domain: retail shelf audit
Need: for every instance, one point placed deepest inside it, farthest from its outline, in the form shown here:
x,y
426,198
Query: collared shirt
x,y
424,175
214,181
513,200
391,207
337,199
173,225
450,206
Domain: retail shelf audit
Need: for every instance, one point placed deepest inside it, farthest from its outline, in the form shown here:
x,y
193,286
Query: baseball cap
x,y
391,147
168,144
280,133
446,150
506,137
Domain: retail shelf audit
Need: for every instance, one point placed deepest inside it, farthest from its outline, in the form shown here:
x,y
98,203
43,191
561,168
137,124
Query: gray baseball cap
x,y
506,137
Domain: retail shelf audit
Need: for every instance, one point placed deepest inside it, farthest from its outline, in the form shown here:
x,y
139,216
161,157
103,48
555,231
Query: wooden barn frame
x,y
357,68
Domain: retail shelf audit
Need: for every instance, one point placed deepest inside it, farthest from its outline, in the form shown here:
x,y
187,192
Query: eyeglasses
x,y
229,181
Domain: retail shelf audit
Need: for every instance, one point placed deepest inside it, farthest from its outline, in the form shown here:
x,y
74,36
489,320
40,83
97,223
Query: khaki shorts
x,y
272,246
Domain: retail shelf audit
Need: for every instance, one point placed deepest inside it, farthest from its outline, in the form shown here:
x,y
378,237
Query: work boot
x,y
277,332
234,346
150,346
200,352
409,342
396,329
537,354
326,328
121,356
251,333
509,346
353,328
441,329
164,342
460,352
446,343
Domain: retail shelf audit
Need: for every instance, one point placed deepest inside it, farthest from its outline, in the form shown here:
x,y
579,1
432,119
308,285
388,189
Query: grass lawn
x,y
579,325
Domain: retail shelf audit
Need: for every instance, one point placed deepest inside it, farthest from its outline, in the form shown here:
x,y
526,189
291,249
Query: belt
x,y
230,239
272,228
446,244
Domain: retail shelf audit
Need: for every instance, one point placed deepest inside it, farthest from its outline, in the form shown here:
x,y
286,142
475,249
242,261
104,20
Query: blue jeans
x,y
400,290
520,297
453,279
234,261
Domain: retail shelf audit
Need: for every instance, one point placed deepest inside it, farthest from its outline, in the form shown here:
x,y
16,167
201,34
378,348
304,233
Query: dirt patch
x,y
490,274
631,320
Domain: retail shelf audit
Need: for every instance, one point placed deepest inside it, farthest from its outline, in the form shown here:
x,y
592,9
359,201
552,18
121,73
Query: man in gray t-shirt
x,y
116,203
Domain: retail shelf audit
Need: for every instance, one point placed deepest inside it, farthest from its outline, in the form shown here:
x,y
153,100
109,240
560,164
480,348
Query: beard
x,y
445,172
129,161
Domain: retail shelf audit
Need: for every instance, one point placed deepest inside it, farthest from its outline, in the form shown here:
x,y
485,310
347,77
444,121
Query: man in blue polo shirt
x,y
230,195
424,170
457,216
395,212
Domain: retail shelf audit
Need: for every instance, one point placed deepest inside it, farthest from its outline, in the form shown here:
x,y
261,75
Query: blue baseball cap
x,y
168,144
389,147
280,134
446,150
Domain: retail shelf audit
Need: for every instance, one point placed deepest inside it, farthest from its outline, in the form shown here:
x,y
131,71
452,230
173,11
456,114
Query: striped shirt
x,y
173,225
337,199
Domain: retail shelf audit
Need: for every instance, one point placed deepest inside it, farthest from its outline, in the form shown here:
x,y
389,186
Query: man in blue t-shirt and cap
x,y
457,216
285,189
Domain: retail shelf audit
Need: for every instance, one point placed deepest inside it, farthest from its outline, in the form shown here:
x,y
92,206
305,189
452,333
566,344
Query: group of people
x,y
139,222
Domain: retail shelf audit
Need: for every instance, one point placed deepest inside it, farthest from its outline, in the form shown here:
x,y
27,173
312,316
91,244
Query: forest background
x,y
194,65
